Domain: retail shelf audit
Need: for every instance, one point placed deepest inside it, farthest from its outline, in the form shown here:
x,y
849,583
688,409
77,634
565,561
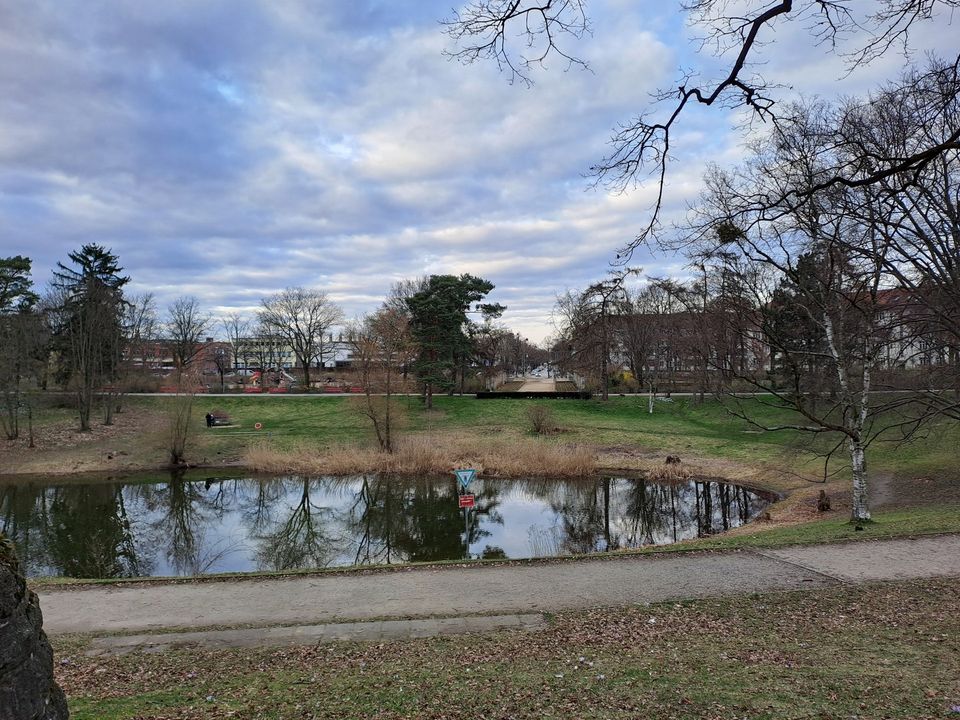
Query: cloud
x,y
229,148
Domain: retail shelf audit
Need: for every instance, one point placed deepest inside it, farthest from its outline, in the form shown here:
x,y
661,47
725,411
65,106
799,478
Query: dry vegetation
x,y
421,454
888,650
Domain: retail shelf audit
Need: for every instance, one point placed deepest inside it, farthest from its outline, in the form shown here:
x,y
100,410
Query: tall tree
x,y
301,317
186,328
802,261
141,328
91,331
16,287
380,344
439,324
22,342
237,328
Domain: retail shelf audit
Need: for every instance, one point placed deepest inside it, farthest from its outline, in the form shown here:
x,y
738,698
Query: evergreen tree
x,y
439,323
90,333
22,342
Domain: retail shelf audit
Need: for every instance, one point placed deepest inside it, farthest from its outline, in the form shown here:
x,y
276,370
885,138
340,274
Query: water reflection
x,y
185,525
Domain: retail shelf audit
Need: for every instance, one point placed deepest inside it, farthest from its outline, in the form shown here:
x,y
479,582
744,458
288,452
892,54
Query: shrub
x,y
540,418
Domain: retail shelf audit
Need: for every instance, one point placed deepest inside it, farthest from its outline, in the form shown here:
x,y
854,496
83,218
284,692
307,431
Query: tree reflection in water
x,y
181,525
183,514
72,530
299,539
398,520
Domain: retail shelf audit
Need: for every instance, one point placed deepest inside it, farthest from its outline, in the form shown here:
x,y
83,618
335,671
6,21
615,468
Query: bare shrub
x,y
540,418
179,413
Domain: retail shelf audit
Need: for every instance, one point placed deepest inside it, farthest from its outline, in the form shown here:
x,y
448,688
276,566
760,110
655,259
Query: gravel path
x,y
504,589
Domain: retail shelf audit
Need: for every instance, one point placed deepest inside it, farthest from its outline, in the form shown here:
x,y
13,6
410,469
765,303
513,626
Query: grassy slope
x,y
887,650
679,427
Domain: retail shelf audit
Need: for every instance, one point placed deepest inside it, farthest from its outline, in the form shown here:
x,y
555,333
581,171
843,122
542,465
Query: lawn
x,y
680,427
888,650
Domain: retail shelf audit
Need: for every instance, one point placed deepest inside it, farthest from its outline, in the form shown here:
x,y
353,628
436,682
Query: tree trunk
x,y
107,399
306,374
84,400
860,510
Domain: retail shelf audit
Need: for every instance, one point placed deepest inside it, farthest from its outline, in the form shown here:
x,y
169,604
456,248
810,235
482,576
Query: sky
x,y
227,149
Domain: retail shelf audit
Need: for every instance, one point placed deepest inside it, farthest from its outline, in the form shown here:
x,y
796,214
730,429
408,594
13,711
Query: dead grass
x,y
669,473
425,455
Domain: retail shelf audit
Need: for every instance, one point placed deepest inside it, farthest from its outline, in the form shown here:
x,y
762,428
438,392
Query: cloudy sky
x,y
229,148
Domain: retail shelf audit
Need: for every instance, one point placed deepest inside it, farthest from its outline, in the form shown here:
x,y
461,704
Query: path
x,y
538,385
502,589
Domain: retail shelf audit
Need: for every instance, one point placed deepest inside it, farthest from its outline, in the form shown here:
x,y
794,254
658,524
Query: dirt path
x,y
458,591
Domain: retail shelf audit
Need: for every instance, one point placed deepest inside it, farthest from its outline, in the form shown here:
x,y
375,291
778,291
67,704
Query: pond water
x,y
189,524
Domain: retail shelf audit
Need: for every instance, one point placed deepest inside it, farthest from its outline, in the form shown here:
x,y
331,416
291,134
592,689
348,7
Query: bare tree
x,y
578,347
380,344
301,317
222,359
141,327
799,263
237,328
586,322
520,34
186,328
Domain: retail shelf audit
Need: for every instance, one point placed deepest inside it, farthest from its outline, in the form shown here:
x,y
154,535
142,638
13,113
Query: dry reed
x,y
429,455
669,473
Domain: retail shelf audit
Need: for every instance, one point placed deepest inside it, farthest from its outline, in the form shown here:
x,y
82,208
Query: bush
x,y
540,419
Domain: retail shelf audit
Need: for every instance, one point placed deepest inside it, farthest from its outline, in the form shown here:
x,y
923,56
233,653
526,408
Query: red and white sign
x,y
467,501
258,426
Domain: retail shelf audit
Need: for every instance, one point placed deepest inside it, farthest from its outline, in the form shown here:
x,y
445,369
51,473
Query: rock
x,y
27,688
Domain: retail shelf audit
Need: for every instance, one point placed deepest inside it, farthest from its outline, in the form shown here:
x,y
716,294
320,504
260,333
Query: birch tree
x,y
854,322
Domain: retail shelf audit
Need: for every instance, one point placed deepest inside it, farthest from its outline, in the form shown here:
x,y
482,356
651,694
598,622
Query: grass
x,y
887,650
680,427
420,455
901,522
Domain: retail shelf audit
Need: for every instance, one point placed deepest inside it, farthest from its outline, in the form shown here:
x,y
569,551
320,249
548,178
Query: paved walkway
x,y
504,589
538,385
374,631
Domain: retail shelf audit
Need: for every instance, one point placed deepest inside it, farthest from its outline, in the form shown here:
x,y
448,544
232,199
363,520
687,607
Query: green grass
x,y
902,522
679,427
887,650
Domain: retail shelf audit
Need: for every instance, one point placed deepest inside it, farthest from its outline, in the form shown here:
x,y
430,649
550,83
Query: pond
x,y
191,524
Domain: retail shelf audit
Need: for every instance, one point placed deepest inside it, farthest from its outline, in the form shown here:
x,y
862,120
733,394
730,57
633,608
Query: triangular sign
x,y
464,477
